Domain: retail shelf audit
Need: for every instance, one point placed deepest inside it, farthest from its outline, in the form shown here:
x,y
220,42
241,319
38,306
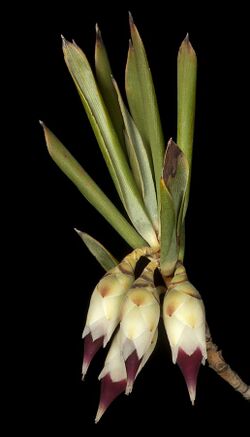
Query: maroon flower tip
x,y
132,364
109,391
90,349
189,365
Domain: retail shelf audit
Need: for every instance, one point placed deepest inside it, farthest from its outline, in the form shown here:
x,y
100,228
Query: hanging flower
x,y
139,321
184,319
114,374
104,309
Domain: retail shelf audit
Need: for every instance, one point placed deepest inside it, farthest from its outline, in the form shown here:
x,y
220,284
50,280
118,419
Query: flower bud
x,y
105,305
184,320
147,354
139,321
114,375
104,309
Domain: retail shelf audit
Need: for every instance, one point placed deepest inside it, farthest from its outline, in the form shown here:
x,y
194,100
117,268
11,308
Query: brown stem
x,y
218,364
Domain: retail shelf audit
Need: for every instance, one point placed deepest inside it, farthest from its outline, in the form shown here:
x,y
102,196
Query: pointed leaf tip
x,y
131,20
103,256
41,123
64,41
187,47
98,34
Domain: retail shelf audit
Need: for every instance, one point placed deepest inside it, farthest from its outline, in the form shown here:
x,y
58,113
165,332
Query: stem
x,y
151,252
219,365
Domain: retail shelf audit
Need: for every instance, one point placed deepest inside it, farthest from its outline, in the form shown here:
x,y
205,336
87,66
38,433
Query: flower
x,y
114,374
104,309
139,321
135,340
184,320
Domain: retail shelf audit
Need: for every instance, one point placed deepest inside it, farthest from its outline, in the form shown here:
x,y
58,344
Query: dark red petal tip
x,y
109,391
90,349
132,364
189,365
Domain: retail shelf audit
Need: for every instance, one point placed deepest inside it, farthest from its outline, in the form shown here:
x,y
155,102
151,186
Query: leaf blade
x,y
105,84
186,100
151,123
103,256
173,191
140,162
169,252
90,190
186,96
134,95
82,75
134,163
176,176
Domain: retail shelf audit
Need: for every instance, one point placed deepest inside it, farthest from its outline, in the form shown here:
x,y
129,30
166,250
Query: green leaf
x,y
75,65
105,84
135,167
169,251
186,92
175,175
102,255
134,96
108,141
90,190
182,243
139,163
173,190
142,101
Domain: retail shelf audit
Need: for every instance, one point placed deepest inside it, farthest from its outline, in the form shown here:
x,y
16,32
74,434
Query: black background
x,y
59,273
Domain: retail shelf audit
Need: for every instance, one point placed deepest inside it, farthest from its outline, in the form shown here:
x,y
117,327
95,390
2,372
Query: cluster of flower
x,y
134,305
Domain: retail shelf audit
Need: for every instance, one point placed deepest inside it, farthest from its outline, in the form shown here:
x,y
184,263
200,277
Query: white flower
x,y
140,317
114,374
113,377
104,310
105,304
184,320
